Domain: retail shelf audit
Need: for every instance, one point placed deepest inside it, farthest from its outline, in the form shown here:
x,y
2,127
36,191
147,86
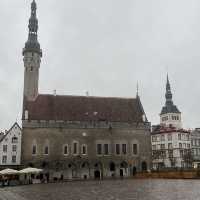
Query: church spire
x,y
170,114
168,94
32,45
169,105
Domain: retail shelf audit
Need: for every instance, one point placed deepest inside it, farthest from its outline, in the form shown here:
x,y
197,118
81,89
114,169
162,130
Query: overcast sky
x,y
105,47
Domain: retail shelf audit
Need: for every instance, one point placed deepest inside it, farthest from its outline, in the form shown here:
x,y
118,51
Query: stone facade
x,y
77,136
59,161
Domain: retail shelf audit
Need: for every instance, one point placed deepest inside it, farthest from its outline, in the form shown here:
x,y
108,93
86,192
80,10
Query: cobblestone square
x,y
107,190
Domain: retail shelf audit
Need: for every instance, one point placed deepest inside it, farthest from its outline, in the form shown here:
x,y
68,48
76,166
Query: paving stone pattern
x,y
107,190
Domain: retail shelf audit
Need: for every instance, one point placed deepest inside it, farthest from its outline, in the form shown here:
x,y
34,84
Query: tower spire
x,y
32,57
170,114
168,94
32,44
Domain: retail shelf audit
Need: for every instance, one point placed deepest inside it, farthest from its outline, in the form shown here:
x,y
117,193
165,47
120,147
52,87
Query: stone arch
x,y
85,170
112,166
124,164
98,170
98,165
123,171
85,165
144,166
73,171
134,170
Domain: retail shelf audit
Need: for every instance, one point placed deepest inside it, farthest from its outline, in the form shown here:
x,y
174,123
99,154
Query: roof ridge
x,y
100,97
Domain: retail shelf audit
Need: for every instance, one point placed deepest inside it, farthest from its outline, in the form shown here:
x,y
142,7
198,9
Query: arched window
x,y
34,147
34,150
124,148
135,149
46,147
65,149
46,150
75,148
144,166
84,149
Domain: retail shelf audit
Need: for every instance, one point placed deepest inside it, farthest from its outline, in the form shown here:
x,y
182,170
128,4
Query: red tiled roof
x,y
82,108
162,129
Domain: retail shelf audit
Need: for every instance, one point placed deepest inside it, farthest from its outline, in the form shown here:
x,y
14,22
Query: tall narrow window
x,y
117,149
84,149
75,148
162,137
99,149
106,150
14,148
169,145
34,150
181,153
13,159
65,149
46,150
4,159
169,137
124,150
135,149
5,147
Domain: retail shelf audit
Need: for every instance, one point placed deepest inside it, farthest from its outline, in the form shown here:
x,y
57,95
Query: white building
x,y
10,146
171,144
195,146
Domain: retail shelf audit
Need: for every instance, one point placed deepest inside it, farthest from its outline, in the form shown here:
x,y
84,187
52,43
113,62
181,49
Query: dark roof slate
x,y
169,109
83,108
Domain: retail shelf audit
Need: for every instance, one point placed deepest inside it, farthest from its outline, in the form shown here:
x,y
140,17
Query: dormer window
x,y
14,140
164,118
175,117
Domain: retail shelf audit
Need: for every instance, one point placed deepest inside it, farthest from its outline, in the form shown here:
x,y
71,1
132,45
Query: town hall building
x,y
79,136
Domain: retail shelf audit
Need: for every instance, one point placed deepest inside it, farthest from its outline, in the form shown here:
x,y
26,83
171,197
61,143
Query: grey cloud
x,y
105,47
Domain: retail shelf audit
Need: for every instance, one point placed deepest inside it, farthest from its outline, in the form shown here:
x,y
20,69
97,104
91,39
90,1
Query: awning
x,y
8,171
30,170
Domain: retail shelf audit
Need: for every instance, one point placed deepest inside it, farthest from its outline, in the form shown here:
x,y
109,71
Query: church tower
x,y
170,115
32,57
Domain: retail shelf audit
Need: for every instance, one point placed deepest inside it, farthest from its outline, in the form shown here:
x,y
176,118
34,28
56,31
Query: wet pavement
x,y
144,189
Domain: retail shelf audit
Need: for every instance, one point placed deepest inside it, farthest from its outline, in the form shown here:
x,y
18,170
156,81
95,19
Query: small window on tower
x,y
31,69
